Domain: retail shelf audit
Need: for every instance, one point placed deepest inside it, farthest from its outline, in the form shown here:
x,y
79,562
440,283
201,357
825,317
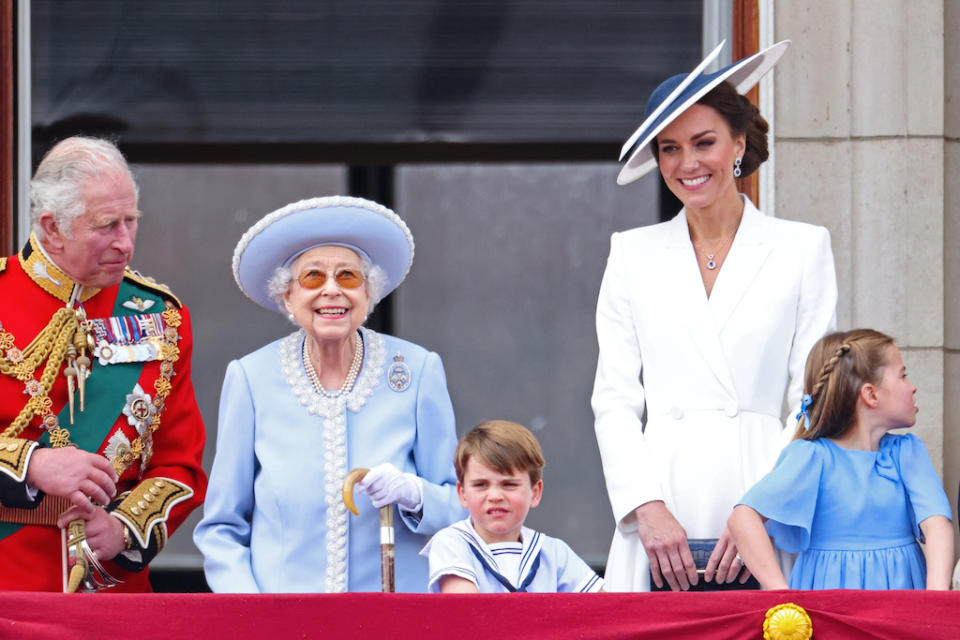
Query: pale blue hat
x,y
371,229
678,93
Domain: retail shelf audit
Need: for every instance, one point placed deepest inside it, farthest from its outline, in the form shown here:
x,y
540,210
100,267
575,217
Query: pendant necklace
x,y
711,257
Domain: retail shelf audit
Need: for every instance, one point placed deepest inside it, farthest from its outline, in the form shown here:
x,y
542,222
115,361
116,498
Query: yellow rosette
x,y
787,621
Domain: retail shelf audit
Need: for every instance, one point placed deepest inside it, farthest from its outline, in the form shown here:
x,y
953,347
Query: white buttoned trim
x,y
333,412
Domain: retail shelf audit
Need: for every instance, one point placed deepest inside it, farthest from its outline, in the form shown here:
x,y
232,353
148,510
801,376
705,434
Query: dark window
x,y
347,71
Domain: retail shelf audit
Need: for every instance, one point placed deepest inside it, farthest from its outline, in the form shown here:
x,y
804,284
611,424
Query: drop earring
x,y
736,168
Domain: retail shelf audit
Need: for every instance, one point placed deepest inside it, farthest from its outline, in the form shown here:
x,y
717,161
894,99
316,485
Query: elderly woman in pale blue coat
x,y
297,414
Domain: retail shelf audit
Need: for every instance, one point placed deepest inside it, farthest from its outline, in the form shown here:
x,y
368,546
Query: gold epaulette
x,y
148,505
14,453
3,264
149,283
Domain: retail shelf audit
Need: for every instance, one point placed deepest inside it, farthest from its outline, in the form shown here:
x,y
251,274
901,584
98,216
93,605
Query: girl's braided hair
x,y
837,368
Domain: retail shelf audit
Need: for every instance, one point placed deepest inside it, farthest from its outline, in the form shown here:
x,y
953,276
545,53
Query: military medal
x,y
111,354
139,409
137,338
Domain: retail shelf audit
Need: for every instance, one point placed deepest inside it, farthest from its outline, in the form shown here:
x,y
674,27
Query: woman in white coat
x,y
704,324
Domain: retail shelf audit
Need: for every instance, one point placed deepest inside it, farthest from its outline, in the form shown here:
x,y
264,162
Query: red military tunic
x,y
140,415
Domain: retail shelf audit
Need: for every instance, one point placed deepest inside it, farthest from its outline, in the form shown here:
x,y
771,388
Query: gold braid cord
x,y
63,337
51,344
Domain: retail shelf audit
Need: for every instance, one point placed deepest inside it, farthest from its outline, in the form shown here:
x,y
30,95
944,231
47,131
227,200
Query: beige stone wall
x,y
868,145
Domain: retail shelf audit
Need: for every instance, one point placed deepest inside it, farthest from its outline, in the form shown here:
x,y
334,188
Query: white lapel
x,y
690,297
747,255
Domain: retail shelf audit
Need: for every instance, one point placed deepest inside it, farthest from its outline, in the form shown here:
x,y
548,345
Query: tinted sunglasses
x,y
345,278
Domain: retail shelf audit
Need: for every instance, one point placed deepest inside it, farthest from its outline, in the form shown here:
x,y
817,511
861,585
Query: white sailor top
x,y
545,565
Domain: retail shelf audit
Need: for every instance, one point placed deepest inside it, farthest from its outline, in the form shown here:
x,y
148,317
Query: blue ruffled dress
x,y
852,516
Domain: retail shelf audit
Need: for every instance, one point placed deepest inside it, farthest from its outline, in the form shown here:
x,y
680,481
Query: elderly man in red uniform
x,y
100,435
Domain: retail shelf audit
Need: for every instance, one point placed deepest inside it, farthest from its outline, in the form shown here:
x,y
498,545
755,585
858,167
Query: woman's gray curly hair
x,y
57,186
375,279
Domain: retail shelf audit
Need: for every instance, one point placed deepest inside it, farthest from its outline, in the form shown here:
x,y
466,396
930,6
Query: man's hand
x,y
104,532
72,473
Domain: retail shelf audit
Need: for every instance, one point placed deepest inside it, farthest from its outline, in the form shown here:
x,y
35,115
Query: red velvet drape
x,y
887,615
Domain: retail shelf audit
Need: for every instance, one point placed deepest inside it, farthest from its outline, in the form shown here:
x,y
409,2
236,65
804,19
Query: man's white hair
x,y
57,186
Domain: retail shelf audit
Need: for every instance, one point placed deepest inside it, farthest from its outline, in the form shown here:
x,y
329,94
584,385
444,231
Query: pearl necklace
x,y
351,374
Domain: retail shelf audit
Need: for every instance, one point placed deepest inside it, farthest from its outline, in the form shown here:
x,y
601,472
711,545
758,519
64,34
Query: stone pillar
x,y
951,247
863,147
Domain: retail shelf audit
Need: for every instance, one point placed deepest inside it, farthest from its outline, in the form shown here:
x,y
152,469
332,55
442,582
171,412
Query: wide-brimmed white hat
x,y
675,95
278,238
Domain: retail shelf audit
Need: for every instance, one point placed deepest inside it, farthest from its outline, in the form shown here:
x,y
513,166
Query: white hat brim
x,y
743,75
670,98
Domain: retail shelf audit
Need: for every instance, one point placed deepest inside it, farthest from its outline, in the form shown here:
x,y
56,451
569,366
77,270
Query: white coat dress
x,y
708,375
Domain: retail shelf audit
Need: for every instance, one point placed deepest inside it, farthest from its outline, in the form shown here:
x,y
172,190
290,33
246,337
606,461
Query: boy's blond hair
x,y
506,447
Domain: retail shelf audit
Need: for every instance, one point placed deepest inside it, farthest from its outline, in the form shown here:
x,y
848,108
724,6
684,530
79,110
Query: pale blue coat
x,y
265,526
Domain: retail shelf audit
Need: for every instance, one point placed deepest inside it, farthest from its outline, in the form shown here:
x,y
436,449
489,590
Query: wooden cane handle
x,y
386,528
353,476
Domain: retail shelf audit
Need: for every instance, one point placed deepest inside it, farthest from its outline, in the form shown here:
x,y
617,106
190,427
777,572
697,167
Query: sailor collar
x,y
48,276
531,541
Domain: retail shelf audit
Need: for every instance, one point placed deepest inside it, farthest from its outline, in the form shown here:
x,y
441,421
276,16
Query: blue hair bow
x,y
805,403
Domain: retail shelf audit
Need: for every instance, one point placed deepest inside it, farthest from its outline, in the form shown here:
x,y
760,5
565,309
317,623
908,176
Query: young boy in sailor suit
x,y
499,466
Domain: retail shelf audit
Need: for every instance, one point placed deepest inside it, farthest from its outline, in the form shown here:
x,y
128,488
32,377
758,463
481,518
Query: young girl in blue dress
x,y
847,496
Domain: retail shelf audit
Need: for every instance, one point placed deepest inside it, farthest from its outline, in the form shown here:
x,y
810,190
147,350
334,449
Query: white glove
x,y
385,484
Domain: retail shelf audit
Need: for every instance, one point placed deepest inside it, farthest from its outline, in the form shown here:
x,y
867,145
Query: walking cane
x,y
386,527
